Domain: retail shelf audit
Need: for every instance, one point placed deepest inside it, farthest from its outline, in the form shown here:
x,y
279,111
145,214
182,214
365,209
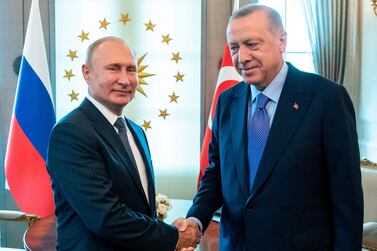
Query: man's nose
x,y
243,55
124,78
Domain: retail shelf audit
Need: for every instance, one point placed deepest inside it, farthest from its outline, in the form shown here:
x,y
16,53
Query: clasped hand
x,y
189,234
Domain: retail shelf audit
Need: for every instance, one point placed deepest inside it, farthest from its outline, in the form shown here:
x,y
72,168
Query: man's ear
x,y
86,72
283,41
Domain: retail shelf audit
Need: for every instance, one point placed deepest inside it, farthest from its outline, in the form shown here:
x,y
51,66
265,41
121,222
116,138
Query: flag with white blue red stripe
x,y
32,121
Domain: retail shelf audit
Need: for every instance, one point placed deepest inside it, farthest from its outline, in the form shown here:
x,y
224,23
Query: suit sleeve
x,y
343,160
209,197
79,173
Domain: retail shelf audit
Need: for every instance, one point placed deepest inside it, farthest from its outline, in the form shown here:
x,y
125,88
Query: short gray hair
x,y
92,48
272,15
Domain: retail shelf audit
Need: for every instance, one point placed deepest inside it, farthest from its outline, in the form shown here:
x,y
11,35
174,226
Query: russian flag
x,y
32,121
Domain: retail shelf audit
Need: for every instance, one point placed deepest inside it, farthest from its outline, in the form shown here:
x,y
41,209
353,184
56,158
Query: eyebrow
x,y
112,64
120,65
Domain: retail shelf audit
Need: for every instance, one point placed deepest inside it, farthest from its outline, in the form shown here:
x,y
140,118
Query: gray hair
x,y
273,16
92,48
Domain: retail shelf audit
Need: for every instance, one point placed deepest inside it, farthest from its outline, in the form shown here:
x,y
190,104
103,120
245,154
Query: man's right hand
x,y
189,234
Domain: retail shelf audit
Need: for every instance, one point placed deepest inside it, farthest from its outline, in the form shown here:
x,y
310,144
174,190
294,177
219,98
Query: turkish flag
x,y
227,78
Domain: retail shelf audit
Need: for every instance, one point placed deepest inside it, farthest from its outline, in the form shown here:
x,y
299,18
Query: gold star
x,y
72,54
73,95
179,77
84,36
176,57
68,74
164,113
149,25
173,98
166,39
147,125
142,75
124,18
103,24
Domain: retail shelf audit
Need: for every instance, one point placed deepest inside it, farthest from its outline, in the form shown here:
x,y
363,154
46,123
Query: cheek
x,y
104,85
106,79
264,58
101,91
134,80
234,58
235,61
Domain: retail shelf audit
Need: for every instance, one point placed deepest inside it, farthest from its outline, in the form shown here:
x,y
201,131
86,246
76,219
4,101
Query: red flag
x,y
227,78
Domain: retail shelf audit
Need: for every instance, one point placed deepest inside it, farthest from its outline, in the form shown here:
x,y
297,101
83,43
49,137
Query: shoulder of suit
x,y
236,90
76,116
71,116
311,80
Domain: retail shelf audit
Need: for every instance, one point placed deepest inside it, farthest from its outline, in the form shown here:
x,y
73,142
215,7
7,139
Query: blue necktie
x,y
258,128
122,131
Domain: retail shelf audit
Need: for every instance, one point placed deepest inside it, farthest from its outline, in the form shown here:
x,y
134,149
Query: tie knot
x,y
119,123
262,100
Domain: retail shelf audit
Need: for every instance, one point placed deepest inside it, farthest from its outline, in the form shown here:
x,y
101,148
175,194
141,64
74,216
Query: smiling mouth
x,y
249,69
123,91
244,68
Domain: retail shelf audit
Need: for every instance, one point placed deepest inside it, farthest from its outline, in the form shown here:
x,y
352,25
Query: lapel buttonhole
x,y
296,106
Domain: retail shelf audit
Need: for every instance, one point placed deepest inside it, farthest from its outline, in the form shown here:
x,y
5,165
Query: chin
x,y
250,81
120,103
122,99
125,102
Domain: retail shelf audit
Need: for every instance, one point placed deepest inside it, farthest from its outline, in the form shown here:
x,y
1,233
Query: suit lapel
x,y
290,111
142,145
238,113
108,134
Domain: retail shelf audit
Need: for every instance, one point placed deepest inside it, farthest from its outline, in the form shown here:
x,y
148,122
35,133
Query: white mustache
x,y
245,66
241,66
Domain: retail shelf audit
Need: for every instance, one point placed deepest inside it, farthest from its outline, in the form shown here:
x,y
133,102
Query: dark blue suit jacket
x,y
307,193
100,203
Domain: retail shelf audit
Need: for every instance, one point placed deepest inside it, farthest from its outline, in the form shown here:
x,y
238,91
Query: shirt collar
x,y
273,90
111,117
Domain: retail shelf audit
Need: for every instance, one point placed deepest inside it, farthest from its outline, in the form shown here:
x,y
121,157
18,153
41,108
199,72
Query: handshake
x,y
189,234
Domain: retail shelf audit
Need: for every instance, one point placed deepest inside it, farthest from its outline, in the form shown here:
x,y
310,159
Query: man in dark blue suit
x,y
284,158
101,168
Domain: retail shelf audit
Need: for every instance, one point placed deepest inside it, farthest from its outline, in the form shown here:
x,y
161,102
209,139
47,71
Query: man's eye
x,y
113,68
233,49
253,45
